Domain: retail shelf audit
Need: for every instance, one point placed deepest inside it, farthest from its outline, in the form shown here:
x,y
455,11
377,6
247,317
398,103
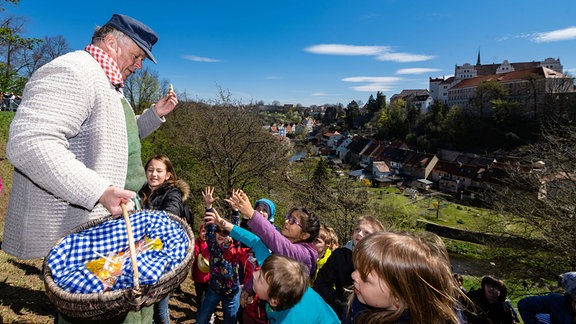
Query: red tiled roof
x,y
509,77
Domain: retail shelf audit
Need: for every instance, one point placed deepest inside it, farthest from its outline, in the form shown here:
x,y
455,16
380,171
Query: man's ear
x,y
110,43
304,236
273,302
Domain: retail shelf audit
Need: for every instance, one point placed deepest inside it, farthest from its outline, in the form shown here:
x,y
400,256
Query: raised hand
x,y
209,199
239,200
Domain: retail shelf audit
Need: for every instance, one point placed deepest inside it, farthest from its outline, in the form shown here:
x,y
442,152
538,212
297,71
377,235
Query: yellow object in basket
x,y
153,244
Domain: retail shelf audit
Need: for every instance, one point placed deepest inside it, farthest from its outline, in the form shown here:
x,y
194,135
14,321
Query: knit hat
x,y
568,282
141,34
268,206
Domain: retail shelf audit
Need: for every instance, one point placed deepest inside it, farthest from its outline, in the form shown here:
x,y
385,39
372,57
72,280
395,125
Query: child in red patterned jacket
x,y
225,260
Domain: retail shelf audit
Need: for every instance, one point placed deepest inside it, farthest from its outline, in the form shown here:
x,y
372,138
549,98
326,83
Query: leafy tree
x,y
321,173
392,122
455,126
372,106
13,53
330,115
505,113
352,114
486,92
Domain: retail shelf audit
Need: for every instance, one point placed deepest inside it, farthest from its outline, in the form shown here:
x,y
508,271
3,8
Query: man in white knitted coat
x,y
71,142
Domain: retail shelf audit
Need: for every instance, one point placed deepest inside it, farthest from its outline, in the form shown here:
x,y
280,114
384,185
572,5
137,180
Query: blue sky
x,y
315,52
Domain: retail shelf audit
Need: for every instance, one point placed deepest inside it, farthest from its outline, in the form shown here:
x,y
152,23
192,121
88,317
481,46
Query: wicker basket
x,y
109,304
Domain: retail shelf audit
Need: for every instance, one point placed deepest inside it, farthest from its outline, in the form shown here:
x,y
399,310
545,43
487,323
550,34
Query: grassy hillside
x,y
6,168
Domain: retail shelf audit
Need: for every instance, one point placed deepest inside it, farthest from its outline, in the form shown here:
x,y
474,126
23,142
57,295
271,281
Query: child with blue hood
x,y
265,207
254,308
552,307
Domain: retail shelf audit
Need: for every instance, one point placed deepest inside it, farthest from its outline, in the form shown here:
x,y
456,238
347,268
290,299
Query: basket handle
x,y
132,247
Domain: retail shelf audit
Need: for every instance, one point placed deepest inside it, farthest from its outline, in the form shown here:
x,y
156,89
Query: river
x,y
469,266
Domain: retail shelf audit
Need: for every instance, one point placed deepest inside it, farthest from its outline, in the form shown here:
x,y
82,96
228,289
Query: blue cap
x,y
141,34
269,206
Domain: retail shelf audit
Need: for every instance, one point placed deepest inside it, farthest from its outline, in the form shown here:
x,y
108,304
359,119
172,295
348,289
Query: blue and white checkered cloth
x,y
68,259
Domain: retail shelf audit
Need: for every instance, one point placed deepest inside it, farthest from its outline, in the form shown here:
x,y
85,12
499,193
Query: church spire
x,y
478,60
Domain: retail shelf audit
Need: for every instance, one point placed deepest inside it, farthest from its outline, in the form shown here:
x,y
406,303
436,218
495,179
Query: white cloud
x,y
417,71
404,57
568,33
272,77
381,53
341,49
373,83
199,59
372,79
373,87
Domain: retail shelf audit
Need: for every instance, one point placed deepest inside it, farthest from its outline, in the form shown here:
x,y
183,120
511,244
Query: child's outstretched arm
x,y
239,200
261,251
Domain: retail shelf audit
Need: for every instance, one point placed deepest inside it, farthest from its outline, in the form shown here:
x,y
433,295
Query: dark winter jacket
x,y
486,313
334,277
357,309
559,308
170,197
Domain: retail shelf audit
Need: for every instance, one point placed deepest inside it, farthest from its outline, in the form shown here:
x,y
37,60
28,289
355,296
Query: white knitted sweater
x,y
67,143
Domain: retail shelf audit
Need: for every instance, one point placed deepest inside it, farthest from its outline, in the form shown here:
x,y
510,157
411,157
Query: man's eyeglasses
x,y
292,220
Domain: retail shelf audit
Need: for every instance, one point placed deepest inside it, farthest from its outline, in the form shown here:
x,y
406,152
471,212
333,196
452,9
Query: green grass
x,y
6,168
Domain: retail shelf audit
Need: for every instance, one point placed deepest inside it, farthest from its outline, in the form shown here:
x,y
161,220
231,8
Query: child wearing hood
x,y
266,208
558,308
253,308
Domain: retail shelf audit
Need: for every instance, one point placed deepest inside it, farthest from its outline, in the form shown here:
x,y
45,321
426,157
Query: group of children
x,y
295,274
298,273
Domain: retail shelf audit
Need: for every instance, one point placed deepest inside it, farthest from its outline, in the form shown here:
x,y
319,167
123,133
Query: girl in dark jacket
x,y
490,304
163,191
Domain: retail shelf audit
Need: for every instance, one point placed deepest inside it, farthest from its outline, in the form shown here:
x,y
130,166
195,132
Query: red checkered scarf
x,y
107,63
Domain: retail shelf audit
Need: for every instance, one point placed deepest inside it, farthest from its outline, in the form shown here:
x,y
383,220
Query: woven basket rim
x,y
108,304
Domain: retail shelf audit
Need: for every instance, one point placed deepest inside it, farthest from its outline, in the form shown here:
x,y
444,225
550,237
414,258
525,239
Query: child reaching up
x,y
225,258
281,281
402,278
296,237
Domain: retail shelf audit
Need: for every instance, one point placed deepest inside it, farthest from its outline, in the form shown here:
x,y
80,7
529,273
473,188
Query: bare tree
x,y
538,203
225,146
49,49
143,88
